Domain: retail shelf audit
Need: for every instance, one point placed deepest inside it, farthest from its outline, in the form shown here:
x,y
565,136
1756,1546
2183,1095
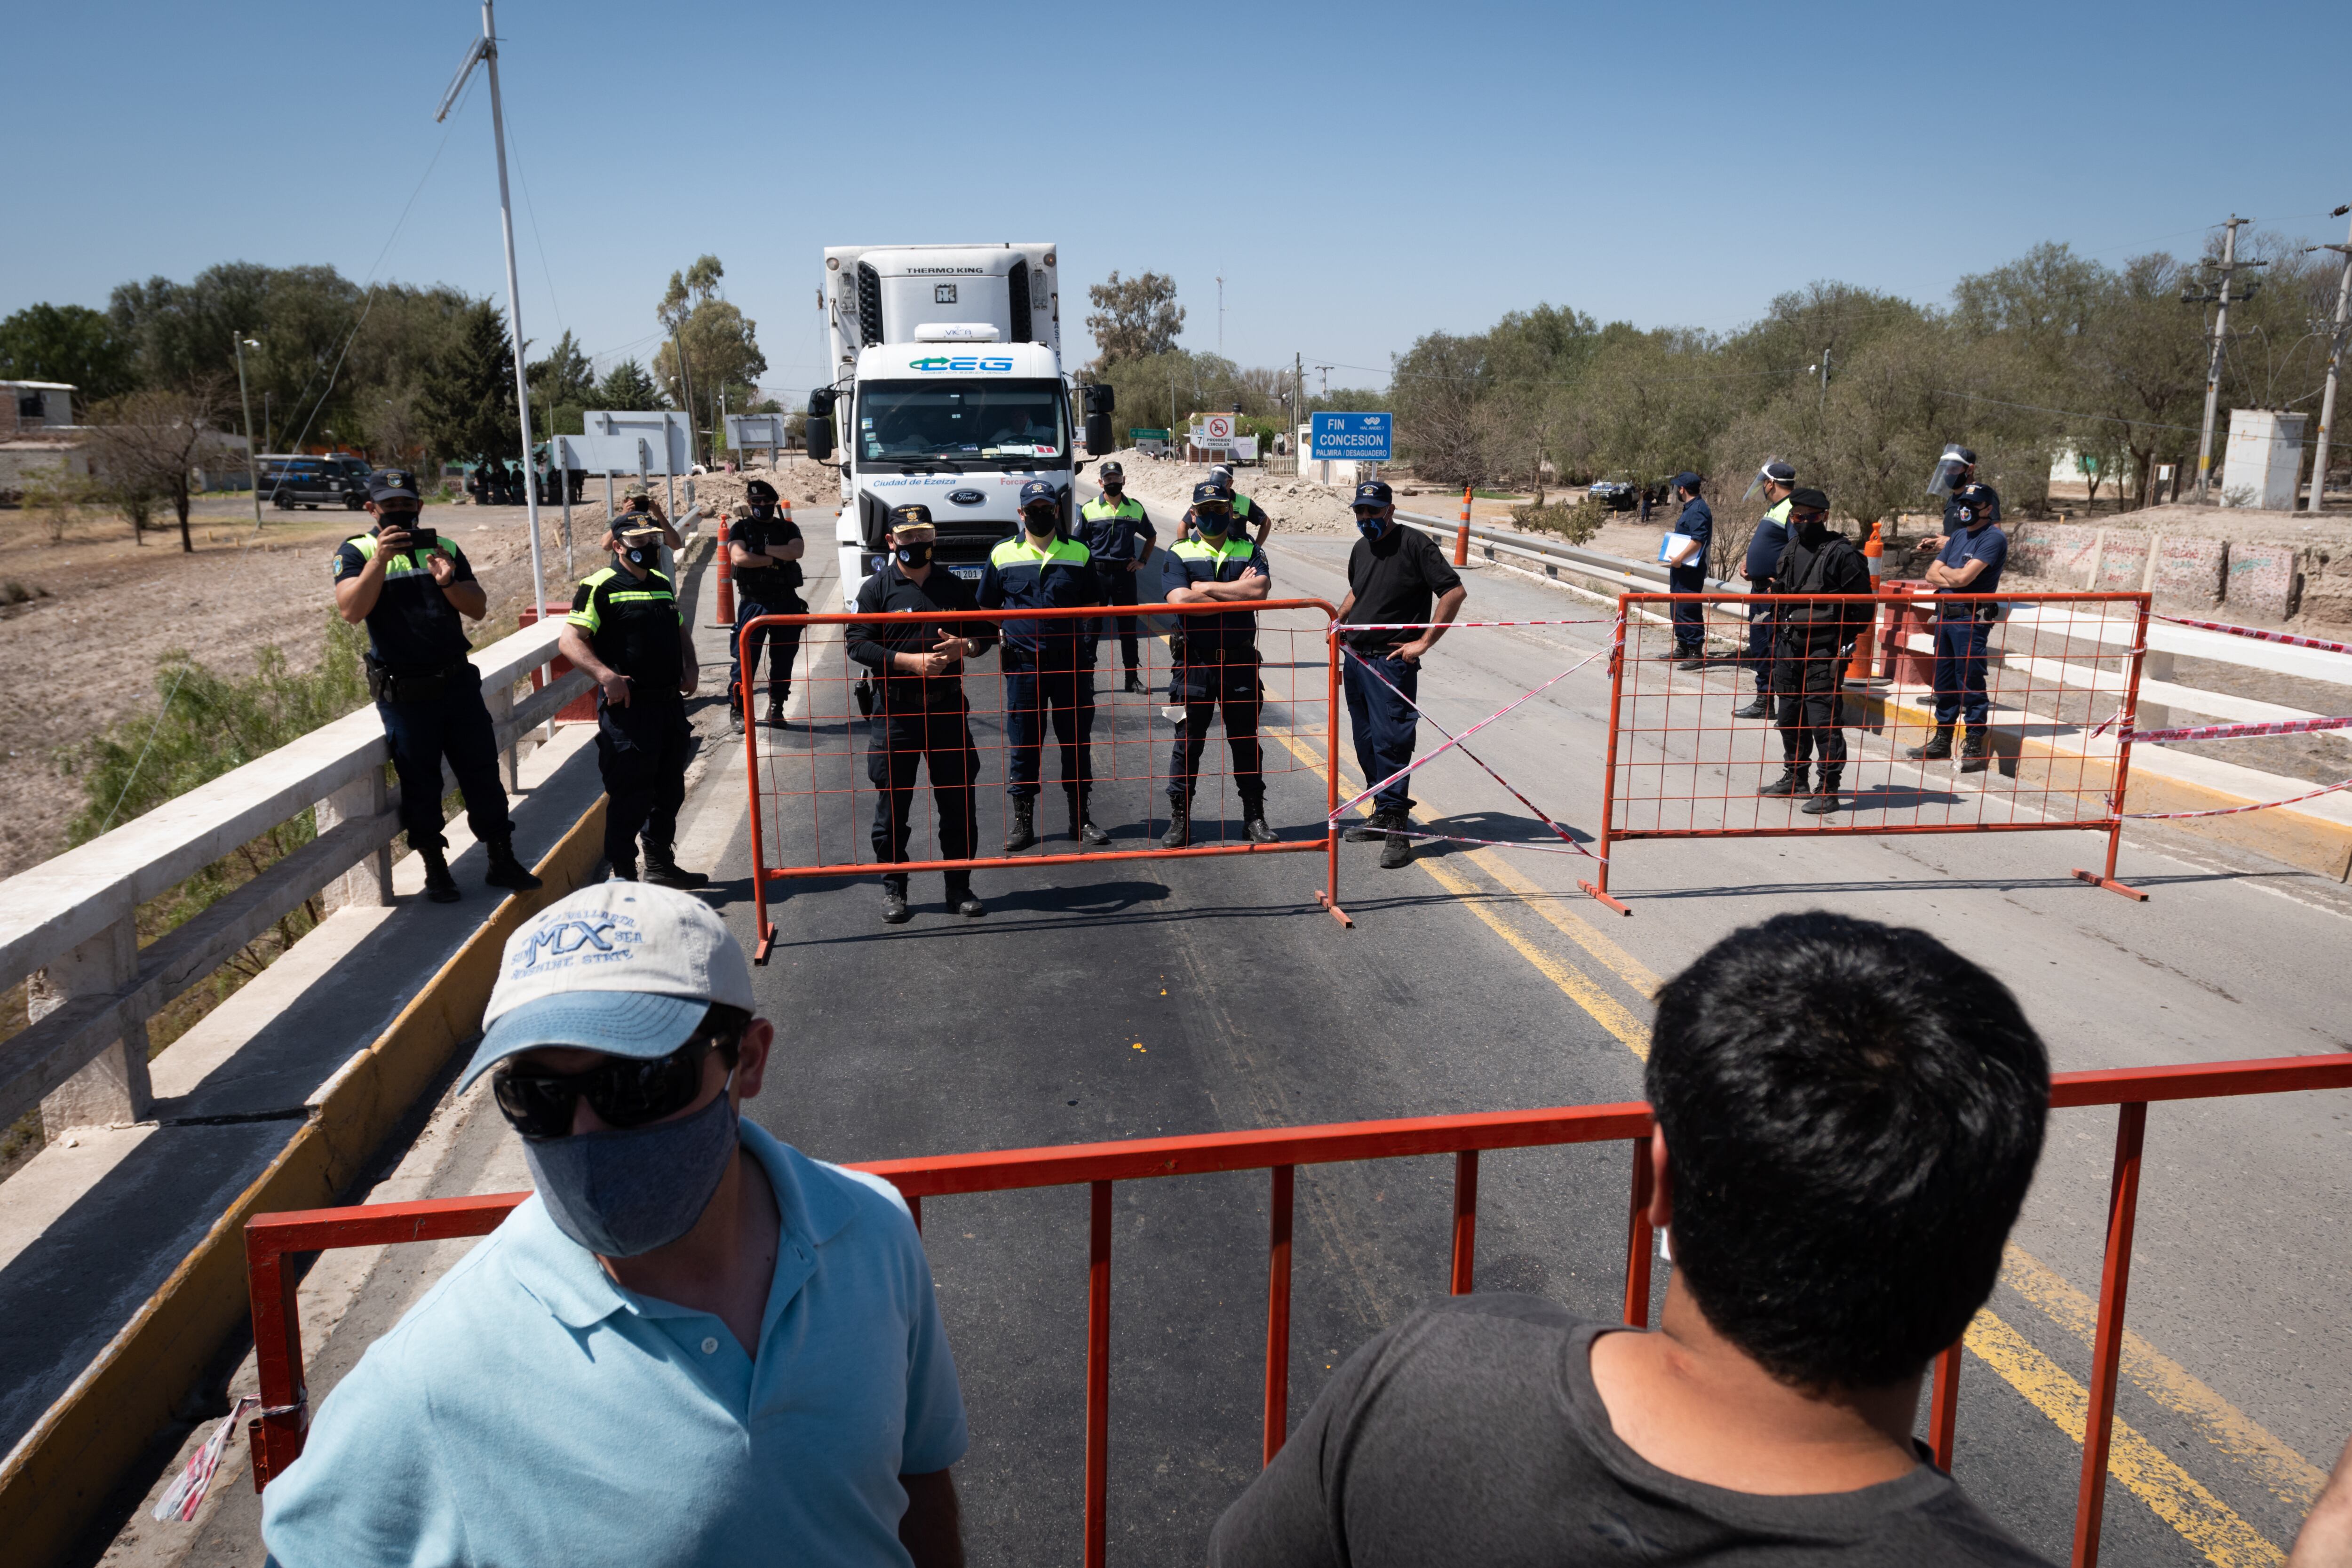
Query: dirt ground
x,y
85,620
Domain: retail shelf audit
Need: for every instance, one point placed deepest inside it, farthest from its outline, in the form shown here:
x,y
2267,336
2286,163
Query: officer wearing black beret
x,y
416,591
1809,657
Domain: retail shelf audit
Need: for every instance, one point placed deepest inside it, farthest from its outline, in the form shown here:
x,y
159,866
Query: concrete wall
x,y
2189,572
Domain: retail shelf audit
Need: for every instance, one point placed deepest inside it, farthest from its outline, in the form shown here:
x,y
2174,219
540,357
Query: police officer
x,y
628,632
920,665
1044,663
1777,480
763,551
1216,659
1115,529
1687,573
1808,656
412,586
1247,513
1970,553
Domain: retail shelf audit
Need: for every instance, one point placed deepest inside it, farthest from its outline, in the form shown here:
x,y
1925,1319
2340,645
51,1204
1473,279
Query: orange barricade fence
x,y
832,791
273,1241
2047,686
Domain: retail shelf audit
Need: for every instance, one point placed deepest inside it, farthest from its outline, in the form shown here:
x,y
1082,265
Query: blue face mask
x,y
1213,524
630,1190
1370,526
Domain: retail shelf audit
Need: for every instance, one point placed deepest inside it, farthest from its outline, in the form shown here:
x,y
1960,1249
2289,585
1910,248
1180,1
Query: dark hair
x,y
1852,1114
723,1027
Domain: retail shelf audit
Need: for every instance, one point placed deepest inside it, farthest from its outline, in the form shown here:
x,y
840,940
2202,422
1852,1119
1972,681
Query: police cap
x,y
392,484
760,492
1212,492
912,515
1979,500
1373,492
1111,471
1037,490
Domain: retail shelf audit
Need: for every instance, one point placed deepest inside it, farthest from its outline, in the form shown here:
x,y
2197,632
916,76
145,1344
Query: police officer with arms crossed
x,y
692,1345
1045,668
1247,513
923,714
1808,658
1216,659
764,554
627,631
1120,536
1970,552
1686,572
1393,574
1778,480
412,586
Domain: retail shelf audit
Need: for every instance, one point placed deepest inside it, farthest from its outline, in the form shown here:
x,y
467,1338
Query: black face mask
x,y
1114,486
918,554
1041,522
1812,529
1213,524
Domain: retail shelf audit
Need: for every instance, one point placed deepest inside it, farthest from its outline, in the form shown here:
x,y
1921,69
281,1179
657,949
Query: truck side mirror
x,y
820,424
1101,398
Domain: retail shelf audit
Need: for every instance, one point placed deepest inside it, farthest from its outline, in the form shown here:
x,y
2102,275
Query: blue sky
x,y
1359,174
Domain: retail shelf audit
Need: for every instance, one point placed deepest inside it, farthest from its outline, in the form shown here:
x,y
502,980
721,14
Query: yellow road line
x,y
1605,1009
2289,1476
1546,903
2204,1521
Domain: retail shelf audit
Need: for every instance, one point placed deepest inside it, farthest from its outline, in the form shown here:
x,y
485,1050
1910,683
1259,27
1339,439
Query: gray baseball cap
x,y
625,968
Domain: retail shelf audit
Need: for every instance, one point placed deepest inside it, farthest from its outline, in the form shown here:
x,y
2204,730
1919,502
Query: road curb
x,y
56,1478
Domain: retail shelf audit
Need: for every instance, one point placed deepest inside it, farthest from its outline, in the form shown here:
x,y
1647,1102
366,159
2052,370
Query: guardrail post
x,y
367,884
500,702
112,1089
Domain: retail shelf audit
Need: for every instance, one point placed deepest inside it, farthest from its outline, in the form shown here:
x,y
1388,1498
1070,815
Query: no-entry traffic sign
x,y
1352,437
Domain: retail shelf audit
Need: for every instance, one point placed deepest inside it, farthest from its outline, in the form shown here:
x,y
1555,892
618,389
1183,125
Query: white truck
x,y
948,390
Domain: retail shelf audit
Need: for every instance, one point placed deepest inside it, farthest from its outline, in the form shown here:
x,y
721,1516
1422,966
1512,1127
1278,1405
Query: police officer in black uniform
x,y
924,716
412,587
1044,662
628,632
1810,654
1215,659
1119,534
763,551
1778,480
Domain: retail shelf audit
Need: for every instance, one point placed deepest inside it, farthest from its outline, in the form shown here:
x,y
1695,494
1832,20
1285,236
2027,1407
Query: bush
x,y
1577,524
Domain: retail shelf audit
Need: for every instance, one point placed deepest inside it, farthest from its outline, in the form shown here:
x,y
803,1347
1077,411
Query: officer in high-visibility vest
x,y
416,591
1247,513
627,631
763,550
1215,659
1120,536
1044,664
1777,480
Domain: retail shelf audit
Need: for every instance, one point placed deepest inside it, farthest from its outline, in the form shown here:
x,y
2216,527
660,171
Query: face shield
x,y
1756,486
1953,471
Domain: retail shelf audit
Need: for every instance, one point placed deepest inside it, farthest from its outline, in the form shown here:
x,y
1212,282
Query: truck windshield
x,y
1009,424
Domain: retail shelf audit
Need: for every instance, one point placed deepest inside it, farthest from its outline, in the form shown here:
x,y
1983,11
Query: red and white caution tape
x,y
2322,644
1453,739
187,1493
2234,810
2235,732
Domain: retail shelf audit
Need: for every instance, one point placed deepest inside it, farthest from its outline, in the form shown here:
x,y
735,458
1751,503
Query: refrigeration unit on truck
x,y
948,390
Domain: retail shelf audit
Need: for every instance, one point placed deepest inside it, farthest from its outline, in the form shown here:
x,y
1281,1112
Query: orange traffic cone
x,y
1462,538
1865,645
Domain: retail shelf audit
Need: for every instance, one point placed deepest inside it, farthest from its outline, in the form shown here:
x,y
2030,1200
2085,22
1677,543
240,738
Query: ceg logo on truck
x,y
966,366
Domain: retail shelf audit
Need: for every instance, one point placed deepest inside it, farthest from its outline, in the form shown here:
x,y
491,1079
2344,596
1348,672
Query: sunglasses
x,y
622,1091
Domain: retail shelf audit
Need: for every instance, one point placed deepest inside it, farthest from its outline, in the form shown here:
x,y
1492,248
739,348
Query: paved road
x,y
1141,997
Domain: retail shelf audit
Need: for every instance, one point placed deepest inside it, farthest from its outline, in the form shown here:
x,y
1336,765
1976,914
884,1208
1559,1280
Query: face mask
x,y
626,1190
1370,526
1812,529
1039,523
914,554
1213,523
1114,488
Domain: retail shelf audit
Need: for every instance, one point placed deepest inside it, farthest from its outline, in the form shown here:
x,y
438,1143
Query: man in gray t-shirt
x,y
1848,1118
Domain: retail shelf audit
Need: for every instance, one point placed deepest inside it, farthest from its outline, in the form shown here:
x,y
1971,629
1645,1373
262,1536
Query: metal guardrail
x,y
70,925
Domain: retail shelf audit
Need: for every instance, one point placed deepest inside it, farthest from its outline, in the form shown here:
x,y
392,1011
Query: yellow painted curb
x,y
85,1443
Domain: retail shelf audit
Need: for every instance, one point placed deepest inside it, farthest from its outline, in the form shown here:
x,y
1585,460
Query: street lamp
x,y
240,342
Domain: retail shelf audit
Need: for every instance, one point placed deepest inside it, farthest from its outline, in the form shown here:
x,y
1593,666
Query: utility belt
x,y
387,685
1187,654
1981,615
767,585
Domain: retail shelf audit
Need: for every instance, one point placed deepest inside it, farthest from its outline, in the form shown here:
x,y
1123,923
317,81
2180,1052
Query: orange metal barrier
x,y
816,808
2059,682
270,1240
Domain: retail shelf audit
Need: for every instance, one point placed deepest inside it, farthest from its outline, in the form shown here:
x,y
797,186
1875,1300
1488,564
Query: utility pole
x,y
2213,360
1221,318
1825,382
2335,365
240,342
1299,414
486,52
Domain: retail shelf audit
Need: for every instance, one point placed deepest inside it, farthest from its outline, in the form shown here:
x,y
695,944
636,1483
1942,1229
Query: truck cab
x,y
949,391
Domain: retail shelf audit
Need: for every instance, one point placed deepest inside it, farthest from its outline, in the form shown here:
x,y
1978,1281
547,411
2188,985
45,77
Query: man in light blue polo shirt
x,y
694,1344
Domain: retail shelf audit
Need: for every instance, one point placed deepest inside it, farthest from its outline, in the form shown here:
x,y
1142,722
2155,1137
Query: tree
x,y
627,387
1136,318
67,343
465,398
561,386
722,350
156,437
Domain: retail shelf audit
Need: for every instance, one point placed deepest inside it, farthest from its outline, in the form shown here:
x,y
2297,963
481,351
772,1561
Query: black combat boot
x,y
1759,709
1375,829
1134,681
1790,781
894,900
1938,746
439,886
1254,821
735,709
1082,820
663,870
964,901
1180,825
1976,750
1023,831
777,691
506,871
1825,799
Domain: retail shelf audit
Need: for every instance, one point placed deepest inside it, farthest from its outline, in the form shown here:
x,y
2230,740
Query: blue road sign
x,y
1352,437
